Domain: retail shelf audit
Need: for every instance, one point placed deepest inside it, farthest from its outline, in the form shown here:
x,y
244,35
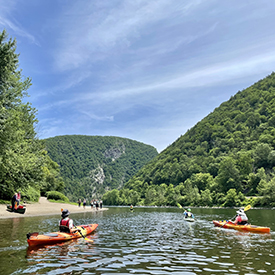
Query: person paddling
x,y
66,224
188,214
241,217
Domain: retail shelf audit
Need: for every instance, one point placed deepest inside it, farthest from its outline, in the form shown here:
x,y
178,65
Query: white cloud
x,y
11,24
92,36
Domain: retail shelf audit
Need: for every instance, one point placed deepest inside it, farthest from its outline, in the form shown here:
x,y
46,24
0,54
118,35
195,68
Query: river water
x,y
153,241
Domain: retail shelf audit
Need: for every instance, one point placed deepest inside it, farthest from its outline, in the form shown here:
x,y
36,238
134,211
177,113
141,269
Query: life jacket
x,y
64,226
189,214
243,217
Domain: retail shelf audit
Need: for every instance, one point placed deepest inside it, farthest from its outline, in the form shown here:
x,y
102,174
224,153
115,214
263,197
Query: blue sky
x,y
144,70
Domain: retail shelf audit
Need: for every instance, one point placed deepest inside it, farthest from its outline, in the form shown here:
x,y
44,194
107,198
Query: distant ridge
x,y
90,165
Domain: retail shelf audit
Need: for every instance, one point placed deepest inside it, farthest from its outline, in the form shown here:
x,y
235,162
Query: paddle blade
x,y
247,207
179,206
88,240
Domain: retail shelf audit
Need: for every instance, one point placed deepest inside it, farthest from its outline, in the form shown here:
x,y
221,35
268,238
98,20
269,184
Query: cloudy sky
x,y
144,70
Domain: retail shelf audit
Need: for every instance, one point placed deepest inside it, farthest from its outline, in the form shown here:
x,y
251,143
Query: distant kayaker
x,y
131,207
66,224
188,214
241,217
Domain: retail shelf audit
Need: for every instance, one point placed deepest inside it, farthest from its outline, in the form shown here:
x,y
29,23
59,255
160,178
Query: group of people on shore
x,y
94,203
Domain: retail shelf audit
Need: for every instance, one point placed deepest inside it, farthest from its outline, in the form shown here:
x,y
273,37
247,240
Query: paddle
x,y
245,209
179,206
79,230
85,238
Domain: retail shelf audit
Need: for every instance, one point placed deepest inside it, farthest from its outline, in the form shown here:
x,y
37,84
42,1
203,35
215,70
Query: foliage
x,y
55,195
226,156
30,194
92,165
22,155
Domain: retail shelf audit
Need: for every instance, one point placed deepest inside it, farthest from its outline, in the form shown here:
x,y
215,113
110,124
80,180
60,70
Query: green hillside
x,y
91,165
228,154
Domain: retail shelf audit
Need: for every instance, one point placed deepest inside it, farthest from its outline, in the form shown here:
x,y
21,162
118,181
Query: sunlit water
x,y
153,241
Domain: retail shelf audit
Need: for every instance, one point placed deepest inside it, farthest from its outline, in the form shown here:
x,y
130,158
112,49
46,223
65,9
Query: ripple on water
x,y
155,241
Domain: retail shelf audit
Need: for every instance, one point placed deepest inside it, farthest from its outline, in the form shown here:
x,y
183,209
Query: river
x,y
153,241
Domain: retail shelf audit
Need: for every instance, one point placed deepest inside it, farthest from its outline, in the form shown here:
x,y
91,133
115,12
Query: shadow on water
x,y
144,241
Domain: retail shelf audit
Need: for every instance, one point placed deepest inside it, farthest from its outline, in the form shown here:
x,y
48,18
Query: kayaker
x,y
66,224
241,217
188,214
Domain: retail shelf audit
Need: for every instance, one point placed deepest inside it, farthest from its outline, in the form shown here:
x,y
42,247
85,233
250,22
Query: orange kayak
x,y
34,239
247,227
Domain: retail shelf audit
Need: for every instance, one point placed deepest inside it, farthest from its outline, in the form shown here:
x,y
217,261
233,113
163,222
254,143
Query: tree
x,y
231,198
228,176
22,155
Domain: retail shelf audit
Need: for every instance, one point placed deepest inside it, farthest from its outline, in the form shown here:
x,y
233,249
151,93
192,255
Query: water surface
x,y
146,241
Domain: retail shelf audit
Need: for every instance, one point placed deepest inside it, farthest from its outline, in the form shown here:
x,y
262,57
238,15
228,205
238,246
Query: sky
x,y
143,70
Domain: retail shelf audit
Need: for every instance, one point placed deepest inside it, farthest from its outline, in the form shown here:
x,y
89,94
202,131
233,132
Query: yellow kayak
x,y
247,227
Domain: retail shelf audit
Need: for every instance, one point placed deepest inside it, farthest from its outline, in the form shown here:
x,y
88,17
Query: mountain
x,y
90,165
228,154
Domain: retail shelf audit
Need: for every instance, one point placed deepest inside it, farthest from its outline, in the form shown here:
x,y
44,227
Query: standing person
x,y
96,204
13,200
100,204
66,224
17,202
84,203
92,204
79,202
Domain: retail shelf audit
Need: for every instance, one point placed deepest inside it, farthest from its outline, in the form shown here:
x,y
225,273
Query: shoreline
x,y
45,208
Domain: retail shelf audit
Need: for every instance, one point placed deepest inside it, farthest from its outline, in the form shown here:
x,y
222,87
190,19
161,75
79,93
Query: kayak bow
x,y
247,227
34,239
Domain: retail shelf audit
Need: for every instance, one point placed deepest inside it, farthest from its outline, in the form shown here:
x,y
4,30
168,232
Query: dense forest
x,y
92,165
224,159
24,163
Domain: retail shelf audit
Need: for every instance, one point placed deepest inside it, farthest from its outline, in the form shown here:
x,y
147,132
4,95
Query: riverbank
x,y
44,207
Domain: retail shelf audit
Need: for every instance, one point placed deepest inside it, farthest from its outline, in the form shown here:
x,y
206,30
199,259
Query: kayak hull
x,y
189,219
34,239
247,228
20,209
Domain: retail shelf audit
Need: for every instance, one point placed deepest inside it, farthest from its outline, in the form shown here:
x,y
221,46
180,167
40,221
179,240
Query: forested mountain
x,y
228,154
91,165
